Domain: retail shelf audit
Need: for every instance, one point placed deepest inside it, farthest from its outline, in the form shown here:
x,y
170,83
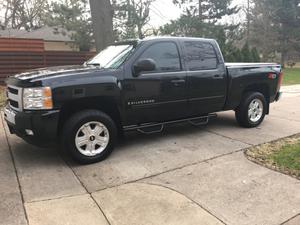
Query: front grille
x,y
14,95
13,103
13,91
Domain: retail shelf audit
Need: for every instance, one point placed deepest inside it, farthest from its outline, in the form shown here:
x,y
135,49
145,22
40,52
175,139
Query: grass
x,y
288,157
2,96
291,76
282,155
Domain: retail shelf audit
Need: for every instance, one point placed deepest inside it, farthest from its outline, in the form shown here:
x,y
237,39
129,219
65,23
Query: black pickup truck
x,y
136,85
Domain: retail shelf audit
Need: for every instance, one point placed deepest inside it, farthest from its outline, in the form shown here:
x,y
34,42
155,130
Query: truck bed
x,y
275,66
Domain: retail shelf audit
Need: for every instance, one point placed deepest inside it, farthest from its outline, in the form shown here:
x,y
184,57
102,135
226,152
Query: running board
x,y
151,128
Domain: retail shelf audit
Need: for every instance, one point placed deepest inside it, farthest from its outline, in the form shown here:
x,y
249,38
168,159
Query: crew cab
x,y
138,85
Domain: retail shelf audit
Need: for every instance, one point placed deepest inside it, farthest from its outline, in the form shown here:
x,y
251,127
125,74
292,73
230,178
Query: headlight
x,y
37,98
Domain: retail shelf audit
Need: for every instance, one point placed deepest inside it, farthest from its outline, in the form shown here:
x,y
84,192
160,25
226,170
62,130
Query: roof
x,y
165,38
12,33
176,38
46,33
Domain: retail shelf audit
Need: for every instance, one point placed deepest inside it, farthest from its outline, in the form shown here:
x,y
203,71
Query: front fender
x,y
102,86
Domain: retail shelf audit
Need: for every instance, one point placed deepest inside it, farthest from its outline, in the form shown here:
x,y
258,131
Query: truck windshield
x,y
112,57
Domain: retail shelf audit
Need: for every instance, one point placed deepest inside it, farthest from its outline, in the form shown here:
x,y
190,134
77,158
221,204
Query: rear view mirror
x,y
144,65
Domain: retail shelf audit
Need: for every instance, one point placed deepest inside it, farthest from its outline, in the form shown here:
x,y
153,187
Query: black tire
x,y
241,113
72,126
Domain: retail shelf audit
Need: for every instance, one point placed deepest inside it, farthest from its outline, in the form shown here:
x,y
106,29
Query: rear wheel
x,y
252,110
89,136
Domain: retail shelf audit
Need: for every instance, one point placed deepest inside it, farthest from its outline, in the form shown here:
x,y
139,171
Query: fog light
x,y
29,132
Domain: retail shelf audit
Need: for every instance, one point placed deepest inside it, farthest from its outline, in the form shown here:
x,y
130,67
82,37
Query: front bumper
x,y
40,127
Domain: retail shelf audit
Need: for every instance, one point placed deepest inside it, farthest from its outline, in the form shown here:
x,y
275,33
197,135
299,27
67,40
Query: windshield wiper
x,y
93,64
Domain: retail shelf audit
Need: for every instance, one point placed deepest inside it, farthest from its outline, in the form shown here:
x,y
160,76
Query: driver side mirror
x,y
144,65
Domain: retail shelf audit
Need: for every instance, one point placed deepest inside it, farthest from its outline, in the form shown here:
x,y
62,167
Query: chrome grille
x,y
14,96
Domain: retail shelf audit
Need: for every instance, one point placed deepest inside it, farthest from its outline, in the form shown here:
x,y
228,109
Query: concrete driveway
x,y
186,175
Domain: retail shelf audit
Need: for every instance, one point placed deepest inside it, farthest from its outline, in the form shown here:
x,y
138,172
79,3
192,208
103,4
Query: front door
x,y
157,95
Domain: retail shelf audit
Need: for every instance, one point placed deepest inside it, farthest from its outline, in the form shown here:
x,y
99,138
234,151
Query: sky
x,y
163,11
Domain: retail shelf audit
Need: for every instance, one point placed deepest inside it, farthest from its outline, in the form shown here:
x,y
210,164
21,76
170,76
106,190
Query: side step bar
x,y
151,128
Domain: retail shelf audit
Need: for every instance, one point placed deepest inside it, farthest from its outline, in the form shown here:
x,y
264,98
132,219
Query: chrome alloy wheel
x,y
255,110
92,138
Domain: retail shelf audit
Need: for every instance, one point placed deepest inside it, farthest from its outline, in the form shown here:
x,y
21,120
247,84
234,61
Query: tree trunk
x,y
102,18
140,32
283,59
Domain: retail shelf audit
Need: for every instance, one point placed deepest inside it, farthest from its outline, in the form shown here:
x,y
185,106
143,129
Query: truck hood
x,y
44,73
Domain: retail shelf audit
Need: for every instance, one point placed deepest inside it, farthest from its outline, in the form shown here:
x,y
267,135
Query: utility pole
x,y
130,24
248,20
129,10
200,10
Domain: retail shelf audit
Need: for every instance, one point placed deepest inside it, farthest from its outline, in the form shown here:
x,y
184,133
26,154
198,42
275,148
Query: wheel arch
x,y
108,105
261,88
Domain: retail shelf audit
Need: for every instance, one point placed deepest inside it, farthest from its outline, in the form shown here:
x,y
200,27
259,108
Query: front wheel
x,y
252,110
89,136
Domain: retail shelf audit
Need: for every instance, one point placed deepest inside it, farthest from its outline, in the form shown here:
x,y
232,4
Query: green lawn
x,y
2,96
282,155
288,157
291,76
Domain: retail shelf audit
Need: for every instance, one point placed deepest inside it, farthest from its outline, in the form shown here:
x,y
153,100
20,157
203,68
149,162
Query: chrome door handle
x,y
178,82
217,77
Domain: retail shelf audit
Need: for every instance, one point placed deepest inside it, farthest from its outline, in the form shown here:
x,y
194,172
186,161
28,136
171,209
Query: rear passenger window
x,y
200,56
165,55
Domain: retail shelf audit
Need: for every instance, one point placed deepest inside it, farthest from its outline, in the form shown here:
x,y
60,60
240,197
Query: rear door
x,y
158,95
206,78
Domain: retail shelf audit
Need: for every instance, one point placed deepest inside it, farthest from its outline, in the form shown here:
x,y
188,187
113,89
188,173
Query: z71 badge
x,y
142,102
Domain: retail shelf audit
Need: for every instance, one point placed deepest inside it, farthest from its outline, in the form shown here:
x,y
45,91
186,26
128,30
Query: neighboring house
x,y
22,51
55,39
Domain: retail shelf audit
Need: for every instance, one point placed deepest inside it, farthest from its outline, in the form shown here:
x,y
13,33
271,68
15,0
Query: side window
x,y
165,55
200,56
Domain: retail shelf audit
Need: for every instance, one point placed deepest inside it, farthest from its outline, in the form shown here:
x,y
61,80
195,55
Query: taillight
x,y
280,79
272,76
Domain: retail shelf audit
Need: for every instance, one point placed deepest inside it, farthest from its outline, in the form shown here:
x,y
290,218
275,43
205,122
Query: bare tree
x,y
102,17
26,14
10,9
133,15
142,15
